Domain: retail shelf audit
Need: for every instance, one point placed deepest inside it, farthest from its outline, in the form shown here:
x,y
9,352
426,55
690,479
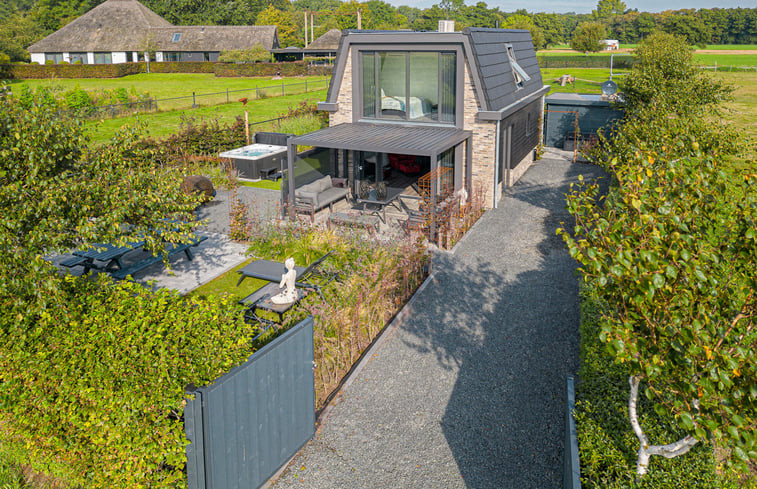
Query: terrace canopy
x,y
416,140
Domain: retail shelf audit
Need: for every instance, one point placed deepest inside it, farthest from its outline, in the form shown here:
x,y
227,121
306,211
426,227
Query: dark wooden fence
x,y
572,473
244,426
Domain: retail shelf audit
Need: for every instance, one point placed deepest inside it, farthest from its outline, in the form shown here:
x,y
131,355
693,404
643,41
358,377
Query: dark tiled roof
x,y
493,64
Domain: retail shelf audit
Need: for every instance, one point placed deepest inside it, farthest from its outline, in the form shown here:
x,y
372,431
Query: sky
x,y
586,6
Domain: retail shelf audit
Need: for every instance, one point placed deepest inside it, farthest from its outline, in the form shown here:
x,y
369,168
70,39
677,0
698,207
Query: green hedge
x,y
180,67
607,446
34,70
581,61
92,392
270,69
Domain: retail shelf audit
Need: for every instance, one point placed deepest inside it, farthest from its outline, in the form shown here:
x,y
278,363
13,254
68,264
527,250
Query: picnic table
x,y
109,256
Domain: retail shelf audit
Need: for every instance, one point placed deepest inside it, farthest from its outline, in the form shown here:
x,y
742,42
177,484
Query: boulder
x,y
199,185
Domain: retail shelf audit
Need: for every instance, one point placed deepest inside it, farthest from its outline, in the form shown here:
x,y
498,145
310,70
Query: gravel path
x,y
262,203
469,390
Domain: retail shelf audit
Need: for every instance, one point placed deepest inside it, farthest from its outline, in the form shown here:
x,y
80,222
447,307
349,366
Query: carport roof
x,y
385,138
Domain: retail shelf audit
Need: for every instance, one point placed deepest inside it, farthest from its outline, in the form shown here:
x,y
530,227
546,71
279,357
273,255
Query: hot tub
x,y
256,160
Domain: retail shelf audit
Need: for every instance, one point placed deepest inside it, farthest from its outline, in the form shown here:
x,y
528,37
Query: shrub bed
x,y
375,280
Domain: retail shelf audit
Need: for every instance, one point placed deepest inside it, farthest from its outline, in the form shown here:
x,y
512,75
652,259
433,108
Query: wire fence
x,y
195,100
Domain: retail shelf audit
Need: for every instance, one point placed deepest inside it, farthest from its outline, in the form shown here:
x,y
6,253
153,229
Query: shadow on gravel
x,y
506,315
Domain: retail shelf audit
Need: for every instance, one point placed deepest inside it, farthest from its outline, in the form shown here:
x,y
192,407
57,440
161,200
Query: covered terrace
x,y
368,155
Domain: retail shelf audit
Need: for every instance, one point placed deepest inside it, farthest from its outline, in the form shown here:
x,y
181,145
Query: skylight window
x,y
176,37
519,73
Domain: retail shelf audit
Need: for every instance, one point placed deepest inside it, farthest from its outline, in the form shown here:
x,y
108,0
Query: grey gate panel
x,y
249,422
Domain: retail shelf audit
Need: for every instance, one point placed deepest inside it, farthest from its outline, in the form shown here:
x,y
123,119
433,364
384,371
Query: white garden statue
x,y
288,280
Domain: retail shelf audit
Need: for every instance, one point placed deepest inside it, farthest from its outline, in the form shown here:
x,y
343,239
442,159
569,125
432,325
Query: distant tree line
x,y
23,22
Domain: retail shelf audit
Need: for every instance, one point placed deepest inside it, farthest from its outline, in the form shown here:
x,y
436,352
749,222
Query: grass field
x,y
181,85
711,59
162,124
588,80
732,47
742,111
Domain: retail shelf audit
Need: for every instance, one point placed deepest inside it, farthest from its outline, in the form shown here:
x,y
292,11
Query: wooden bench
x,y
171,249
271,173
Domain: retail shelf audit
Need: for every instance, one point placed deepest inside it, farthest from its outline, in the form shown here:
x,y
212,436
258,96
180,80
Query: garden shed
x,y
572,118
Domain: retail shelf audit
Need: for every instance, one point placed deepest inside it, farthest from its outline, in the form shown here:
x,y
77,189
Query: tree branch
x,y
645,449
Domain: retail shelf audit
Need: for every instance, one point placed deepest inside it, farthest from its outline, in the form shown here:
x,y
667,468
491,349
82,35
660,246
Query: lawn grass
x,y
163,124
267,184
227,284
172,85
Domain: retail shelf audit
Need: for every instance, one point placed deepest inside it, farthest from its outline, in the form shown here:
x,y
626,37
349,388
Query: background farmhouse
x,y
122,31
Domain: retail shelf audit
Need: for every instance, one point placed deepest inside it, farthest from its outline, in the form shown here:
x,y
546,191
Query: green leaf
x,y
687,421
658,280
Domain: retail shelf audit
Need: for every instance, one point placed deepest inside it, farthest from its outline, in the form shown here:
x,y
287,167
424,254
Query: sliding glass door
x,y
412,86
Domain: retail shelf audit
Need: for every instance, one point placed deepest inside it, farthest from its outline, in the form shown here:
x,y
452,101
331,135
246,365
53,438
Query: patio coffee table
x,y
392,193
363,220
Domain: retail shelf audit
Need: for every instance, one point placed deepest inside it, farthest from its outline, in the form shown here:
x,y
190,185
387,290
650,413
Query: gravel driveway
x,y
469,390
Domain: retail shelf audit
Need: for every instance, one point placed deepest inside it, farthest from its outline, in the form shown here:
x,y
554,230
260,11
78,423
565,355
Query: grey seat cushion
x,y
332,194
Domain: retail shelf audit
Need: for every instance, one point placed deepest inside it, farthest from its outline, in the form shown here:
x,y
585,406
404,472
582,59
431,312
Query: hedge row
x,y
607,446
92,394
580,61
270,69
34,70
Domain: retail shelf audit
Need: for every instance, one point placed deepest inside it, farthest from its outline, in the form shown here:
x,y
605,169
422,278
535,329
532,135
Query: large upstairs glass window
x,y
414,86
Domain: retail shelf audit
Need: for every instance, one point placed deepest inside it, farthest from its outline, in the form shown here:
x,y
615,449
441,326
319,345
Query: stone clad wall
x,y
344,99
484,140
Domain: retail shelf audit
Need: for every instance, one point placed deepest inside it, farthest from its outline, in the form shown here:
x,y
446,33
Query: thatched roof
x,y
127,25
327,42
116,25
215,38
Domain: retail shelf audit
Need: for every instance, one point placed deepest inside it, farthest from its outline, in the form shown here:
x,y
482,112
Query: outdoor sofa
x,y
320,193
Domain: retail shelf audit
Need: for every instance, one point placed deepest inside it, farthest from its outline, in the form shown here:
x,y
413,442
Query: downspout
x,y
508,153
497,143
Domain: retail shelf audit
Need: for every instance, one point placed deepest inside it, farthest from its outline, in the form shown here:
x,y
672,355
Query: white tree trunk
x,y
645,449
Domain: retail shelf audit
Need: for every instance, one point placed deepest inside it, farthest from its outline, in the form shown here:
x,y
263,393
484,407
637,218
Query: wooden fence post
x,y
246,128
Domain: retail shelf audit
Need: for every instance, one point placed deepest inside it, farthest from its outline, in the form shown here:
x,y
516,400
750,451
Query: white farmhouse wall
x,y
38,58
118,57
90,58
67,57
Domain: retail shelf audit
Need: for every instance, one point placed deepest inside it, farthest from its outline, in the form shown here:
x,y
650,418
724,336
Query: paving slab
x,y
469,390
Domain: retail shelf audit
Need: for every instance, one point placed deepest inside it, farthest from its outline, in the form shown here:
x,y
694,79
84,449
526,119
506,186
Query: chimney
x,y
446,26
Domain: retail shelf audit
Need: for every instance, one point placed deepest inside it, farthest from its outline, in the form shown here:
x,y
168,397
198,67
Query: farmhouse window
x,y
103,58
